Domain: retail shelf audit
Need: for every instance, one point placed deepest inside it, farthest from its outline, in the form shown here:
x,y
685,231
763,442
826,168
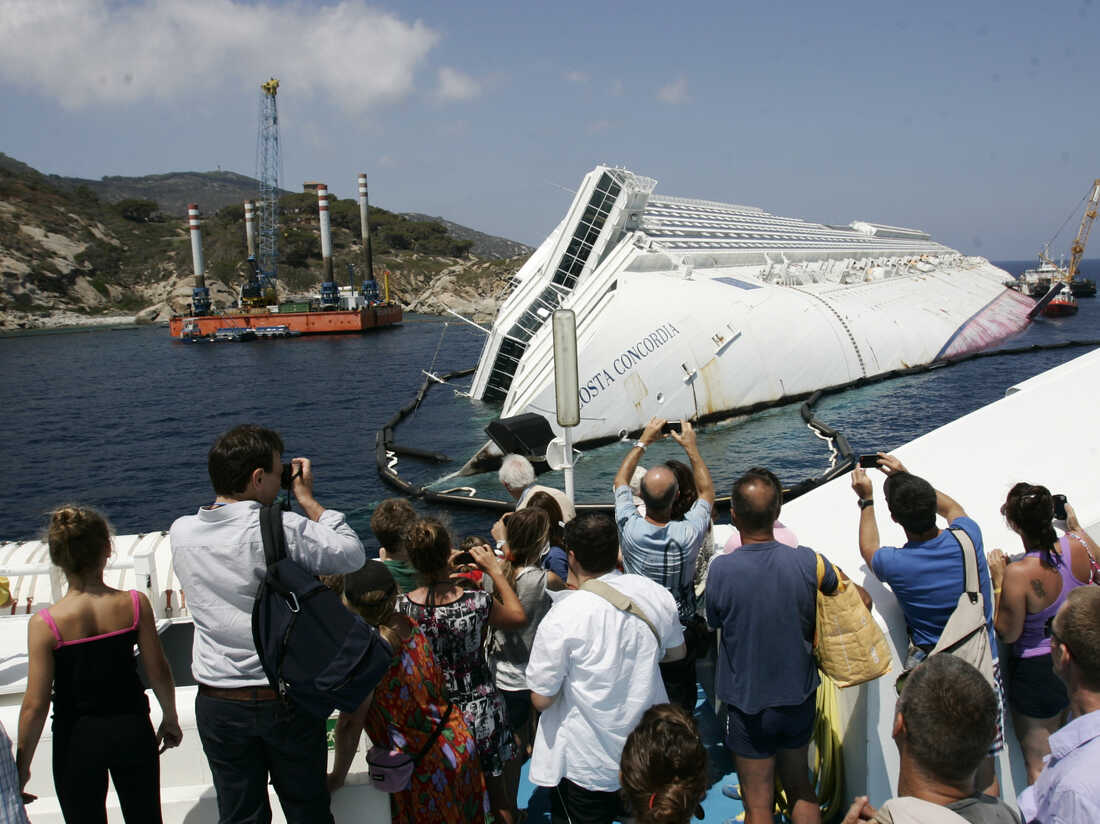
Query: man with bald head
x,y
659,548
763,597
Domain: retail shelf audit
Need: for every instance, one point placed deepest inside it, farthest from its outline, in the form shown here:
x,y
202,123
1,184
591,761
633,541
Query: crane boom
x,y
1077,250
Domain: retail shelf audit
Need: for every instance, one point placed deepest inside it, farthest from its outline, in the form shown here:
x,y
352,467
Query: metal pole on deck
x,y
566,386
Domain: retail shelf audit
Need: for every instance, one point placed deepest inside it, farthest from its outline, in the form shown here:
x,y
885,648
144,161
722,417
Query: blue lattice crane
x,y
267,170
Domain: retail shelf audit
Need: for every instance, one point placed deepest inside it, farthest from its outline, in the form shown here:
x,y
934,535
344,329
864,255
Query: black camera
x,y
1059,507
288,476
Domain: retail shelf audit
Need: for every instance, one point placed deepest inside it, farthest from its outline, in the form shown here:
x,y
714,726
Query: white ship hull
x,y
698,310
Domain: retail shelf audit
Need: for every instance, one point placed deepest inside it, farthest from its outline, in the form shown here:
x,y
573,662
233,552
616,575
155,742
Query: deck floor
x,y
717,807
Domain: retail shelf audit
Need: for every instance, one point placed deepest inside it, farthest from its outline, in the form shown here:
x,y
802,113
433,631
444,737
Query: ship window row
x,y
699,209
758,244
740,244
759,234
748,220
800,229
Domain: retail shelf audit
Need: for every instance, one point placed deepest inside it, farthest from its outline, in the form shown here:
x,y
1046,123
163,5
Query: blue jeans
x,y
245,741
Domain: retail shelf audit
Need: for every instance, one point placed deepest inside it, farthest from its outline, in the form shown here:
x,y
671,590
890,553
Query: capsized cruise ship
x,y
695,309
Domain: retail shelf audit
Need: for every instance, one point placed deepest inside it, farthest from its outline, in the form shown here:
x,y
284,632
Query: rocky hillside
x,y
70,256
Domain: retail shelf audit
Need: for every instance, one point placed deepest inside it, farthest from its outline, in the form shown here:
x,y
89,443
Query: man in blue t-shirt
x,y
926,574
763,598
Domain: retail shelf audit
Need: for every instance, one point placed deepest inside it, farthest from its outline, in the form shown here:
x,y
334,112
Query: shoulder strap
x,y
438,729
271,530
45,613
820,569
970,562
620,601
137,608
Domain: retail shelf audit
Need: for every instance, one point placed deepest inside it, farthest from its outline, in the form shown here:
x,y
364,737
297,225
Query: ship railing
x,y
23,576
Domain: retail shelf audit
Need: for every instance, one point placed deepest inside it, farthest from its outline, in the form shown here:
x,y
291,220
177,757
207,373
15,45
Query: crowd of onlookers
x,y
571,641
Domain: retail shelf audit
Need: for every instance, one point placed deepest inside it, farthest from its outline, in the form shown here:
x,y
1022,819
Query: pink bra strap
x,y
137,608
45,613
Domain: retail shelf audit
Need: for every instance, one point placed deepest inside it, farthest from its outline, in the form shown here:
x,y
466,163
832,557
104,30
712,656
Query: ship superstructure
x,y
696,309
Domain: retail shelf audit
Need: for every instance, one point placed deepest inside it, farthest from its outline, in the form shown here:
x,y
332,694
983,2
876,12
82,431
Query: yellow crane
x,y
1077,250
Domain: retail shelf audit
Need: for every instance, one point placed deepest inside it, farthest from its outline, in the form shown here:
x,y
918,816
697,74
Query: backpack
x,y
966,634
314,651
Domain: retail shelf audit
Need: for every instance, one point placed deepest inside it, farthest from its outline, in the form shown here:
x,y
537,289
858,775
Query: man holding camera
x,y
926,574
659,548
247,731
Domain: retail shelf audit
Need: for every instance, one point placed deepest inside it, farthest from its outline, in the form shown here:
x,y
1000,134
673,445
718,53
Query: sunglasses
x,y
1048,632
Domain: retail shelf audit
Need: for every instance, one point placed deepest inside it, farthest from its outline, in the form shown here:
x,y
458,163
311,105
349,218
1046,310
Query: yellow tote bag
x,y
5,594
850,647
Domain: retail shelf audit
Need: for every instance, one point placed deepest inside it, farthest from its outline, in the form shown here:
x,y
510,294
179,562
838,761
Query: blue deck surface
x,y
718,807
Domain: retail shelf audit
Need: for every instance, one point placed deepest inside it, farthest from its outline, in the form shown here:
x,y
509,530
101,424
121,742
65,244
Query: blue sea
x,y
122,418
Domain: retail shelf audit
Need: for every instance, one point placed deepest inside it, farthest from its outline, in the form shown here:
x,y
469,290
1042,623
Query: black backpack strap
x,y
271,530
438,729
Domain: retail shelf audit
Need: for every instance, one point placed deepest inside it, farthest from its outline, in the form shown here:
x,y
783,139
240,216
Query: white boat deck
x,y
975,460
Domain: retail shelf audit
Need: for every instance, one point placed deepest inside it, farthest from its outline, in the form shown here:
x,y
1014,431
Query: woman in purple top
x,y
1031,591
83,647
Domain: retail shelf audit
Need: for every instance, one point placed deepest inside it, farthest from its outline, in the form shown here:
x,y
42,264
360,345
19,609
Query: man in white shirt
x,y
593,672
247,732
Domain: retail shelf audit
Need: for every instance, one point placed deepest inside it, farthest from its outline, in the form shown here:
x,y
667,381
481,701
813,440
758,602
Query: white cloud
x,y
93,52
580,78
454,85
675,92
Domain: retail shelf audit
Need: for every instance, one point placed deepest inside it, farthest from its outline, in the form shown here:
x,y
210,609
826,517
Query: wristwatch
x,y
640,444
866,502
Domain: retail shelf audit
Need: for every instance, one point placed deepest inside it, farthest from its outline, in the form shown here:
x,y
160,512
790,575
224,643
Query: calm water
x,y
123,419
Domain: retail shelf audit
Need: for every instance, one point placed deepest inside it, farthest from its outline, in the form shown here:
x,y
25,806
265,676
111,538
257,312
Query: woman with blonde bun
x,y
82,648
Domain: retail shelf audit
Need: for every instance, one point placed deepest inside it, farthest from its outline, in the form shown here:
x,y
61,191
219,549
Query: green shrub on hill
x,y
139,210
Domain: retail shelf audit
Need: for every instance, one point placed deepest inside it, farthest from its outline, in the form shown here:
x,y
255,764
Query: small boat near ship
x,y
1040,281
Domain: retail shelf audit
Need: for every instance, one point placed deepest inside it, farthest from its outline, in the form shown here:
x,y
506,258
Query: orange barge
x,y
335,321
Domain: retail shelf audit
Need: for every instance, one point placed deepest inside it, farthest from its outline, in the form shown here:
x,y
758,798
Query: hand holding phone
x,y
868,461
1060,507
672,426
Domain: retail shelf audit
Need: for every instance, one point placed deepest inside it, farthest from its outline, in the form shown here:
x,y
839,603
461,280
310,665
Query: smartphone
x,y
868,461
672,426
463,558
1060,507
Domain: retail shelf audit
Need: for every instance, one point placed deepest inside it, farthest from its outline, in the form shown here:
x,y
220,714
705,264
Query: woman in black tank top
x,y
83,647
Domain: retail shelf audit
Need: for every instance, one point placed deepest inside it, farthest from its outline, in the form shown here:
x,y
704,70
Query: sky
x,y
975,121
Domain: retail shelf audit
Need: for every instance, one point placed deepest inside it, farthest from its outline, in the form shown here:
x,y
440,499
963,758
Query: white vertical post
x,y
566,386
326,230
196,243
250,227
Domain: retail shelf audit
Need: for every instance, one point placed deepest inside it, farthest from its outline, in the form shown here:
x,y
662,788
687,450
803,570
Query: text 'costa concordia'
x,y
694,309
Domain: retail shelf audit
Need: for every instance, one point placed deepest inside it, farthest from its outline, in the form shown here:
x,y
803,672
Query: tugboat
x,y
1065,302
1061,305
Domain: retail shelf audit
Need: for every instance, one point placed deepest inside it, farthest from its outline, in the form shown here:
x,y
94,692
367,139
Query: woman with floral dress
x,y
455,621
404,711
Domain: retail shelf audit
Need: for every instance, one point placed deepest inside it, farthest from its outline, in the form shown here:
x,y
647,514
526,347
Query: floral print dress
x,y
455,631
447,783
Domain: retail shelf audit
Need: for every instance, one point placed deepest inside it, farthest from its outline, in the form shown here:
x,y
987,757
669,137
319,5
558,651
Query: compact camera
x,y
289,474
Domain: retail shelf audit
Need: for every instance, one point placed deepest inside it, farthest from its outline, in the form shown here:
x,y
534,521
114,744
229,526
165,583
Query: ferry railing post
x,y
566,387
